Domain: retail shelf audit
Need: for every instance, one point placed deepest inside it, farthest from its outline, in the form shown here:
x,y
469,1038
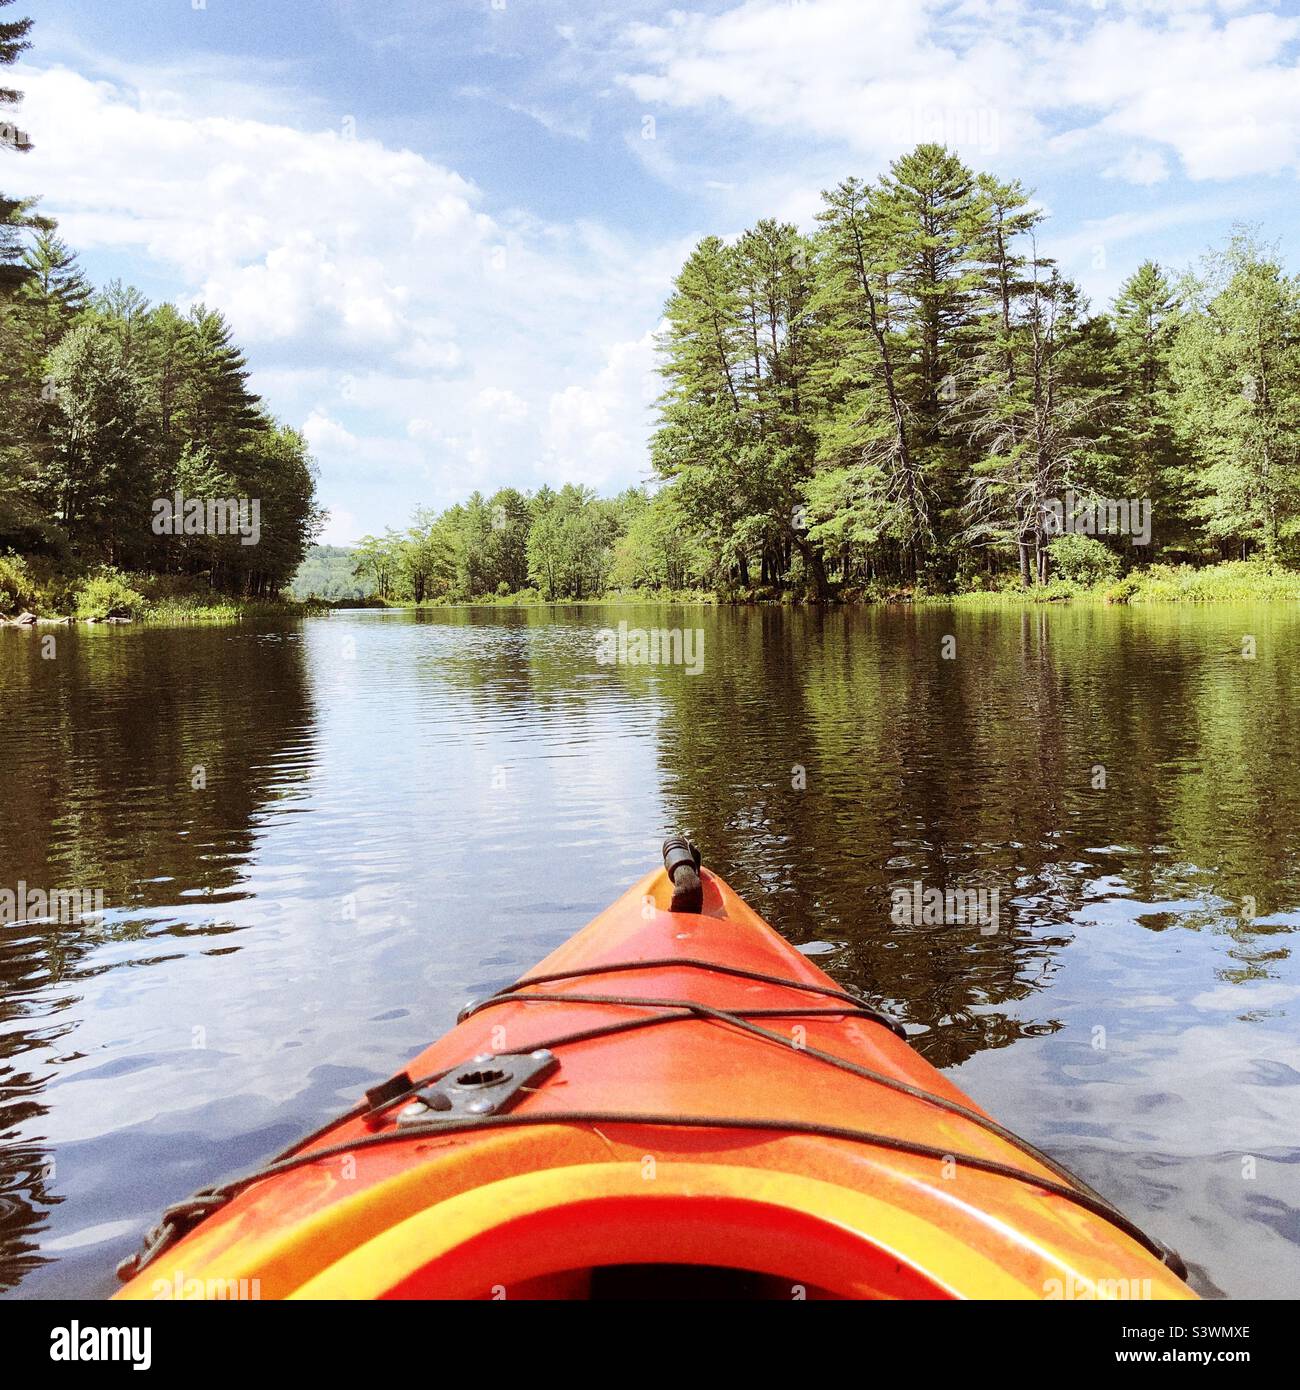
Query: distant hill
x,y
326,572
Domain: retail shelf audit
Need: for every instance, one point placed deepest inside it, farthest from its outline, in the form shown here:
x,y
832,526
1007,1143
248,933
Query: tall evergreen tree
x,y
13,43
20,407
216,409
776,290
1005,268
704,424
870,434
508,539
54,292
930,206
167,354
1236,365
96,480
13,211
1145,317
929,203
125,312
1035,424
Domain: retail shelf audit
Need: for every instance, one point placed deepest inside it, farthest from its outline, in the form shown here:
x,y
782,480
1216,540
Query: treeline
x,y
915,397
108,403
565,544
329,572
909,393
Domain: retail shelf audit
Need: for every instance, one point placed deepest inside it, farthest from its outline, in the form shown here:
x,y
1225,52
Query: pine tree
x,y
508,539
775,282
1004,269
214,408
13,211
1145,318
1034,422
704,421
96,482
15,217
54,292
13,43
1236,367
20,407
929,201
869,435
125,313
167,356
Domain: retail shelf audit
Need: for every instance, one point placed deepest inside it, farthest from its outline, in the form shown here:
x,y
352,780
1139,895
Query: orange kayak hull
x,y
767,1204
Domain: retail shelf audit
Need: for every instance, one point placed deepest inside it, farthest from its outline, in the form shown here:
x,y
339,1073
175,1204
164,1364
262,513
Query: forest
x,y
108,403
901,402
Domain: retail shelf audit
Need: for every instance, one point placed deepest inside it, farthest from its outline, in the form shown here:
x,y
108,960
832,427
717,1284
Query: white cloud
x,y
1143,167
341,528
367,457
590,425
875,77
1225,97
294,234
503,403
422,337
1220,87
1092,250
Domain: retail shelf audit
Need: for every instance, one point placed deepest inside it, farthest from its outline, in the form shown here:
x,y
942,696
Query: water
x,y
315,840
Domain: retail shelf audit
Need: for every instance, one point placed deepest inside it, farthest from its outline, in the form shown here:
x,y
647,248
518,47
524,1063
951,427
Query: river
x,y
316,839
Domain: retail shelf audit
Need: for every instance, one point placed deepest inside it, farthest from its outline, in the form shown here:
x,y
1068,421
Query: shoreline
x,y
1159,586
1230,581
168,615
234,615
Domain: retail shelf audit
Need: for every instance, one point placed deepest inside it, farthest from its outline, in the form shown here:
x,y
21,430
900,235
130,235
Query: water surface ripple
x,y
315,840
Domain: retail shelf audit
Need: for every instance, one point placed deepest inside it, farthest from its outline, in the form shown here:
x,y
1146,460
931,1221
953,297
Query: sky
x,y
443,230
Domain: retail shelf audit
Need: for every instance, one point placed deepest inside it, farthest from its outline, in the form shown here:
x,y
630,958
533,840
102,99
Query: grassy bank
x,y
1231,582
198,609
530,598
102,594
105,594
1235,581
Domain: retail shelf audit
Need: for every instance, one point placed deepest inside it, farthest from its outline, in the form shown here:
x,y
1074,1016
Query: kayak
x,y
676,1103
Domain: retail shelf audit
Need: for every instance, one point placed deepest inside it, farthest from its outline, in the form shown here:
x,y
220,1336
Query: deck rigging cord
x,y
178,1219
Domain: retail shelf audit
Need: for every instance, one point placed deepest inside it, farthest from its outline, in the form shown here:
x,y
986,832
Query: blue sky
x,y
444,229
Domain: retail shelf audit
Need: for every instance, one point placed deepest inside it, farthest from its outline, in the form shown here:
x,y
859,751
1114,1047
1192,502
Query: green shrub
x,y
1124,590
18,591
106,594
1083,560
1058,589
1230,581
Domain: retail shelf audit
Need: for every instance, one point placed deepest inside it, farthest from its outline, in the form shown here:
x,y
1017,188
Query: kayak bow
x,y
675,1102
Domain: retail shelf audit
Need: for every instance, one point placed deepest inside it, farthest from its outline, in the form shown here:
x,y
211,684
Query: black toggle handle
x,y
682,863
